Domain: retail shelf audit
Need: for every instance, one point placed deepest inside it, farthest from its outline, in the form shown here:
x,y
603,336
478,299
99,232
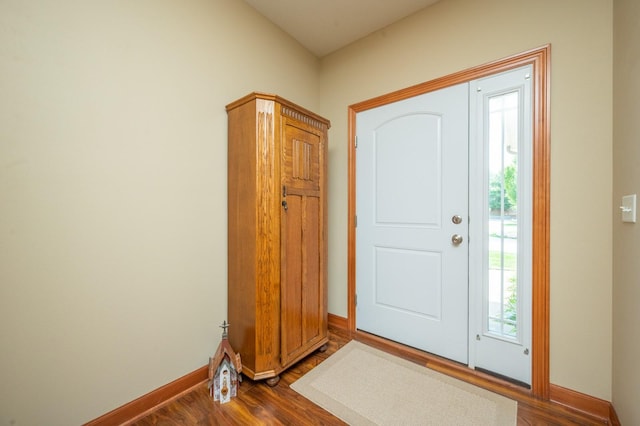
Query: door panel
x,y
423,280
412,176
420,172
292,278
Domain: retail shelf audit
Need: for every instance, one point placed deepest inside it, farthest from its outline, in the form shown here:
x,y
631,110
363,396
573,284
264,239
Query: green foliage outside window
x,y
508,192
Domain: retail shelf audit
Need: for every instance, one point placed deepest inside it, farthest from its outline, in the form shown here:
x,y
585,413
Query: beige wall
x,y
454,35
113,178
113,191
626,236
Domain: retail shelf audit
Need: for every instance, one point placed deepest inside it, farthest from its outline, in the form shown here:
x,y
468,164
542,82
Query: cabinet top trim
x,y
293,110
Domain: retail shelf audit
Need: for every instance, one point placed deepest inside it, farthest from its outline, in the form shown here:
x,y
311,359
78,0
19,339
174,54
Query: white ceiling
x,y
323,26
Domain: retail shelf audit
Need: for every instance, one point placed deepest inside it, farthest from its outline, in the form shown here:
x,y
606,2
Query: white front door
x,y
412,222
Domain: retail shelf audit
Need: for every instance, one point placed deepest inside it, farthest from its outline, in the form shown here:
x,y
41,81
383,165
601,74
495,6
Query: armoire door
x,y
302,273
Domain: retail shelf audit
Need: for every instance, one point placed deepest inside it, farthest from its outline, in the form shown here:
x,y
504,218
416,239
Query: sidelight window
x,y
503,140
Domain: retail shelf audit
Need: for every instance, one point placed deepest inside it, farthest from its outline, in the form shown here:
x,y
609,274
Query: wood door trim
x,y
539,59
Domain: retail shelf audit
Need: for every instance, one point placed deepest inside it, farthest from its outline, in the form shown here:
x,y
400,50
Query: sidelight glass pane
x,y
502,312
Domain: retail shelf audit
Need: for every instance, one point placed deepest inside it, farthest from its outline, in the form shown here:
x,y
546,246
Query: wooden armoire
x,y
277,233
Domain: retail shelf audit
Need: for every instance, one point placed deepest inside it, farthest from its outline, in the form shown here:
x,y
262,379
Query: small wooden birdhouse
x,y
224,370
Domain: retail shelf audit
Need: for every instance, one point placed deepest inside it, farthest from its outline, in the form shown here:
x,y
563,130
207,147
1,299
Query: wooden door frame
x,y
539,59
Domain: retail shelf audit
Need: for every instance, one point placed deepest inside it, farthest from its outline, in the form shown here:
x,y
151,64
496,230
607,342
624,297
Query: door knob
x,y
456,239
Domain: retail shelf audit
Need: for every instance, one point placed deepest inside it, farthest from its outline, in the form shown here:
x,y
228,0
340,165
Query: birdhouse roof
x,y
225,349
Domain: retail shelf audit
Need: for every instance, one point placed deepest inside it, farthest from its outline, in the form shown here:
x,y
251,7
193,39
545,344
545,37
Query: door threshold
x,y
502,377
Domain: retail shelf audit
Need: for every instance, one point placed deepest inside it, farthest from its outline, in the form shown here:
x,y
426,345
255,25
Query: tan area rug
x,y
365,386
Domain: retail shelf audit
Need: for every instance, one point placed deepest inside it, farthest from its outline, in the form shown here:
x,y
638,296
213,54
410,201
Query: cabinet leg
x,y
272,381
323,348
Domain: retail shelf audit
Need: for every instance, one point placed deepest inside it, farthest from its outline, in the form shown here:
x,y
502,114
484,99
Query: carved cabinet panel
x,y
277,233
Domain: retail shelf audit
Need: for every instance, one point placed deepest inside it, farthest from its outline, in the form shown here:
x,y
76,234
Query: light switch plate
x,y
628,208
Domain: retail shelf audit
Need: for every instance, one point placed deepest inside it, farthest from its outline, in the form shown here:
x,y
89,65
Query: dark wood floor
x,y
259,404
